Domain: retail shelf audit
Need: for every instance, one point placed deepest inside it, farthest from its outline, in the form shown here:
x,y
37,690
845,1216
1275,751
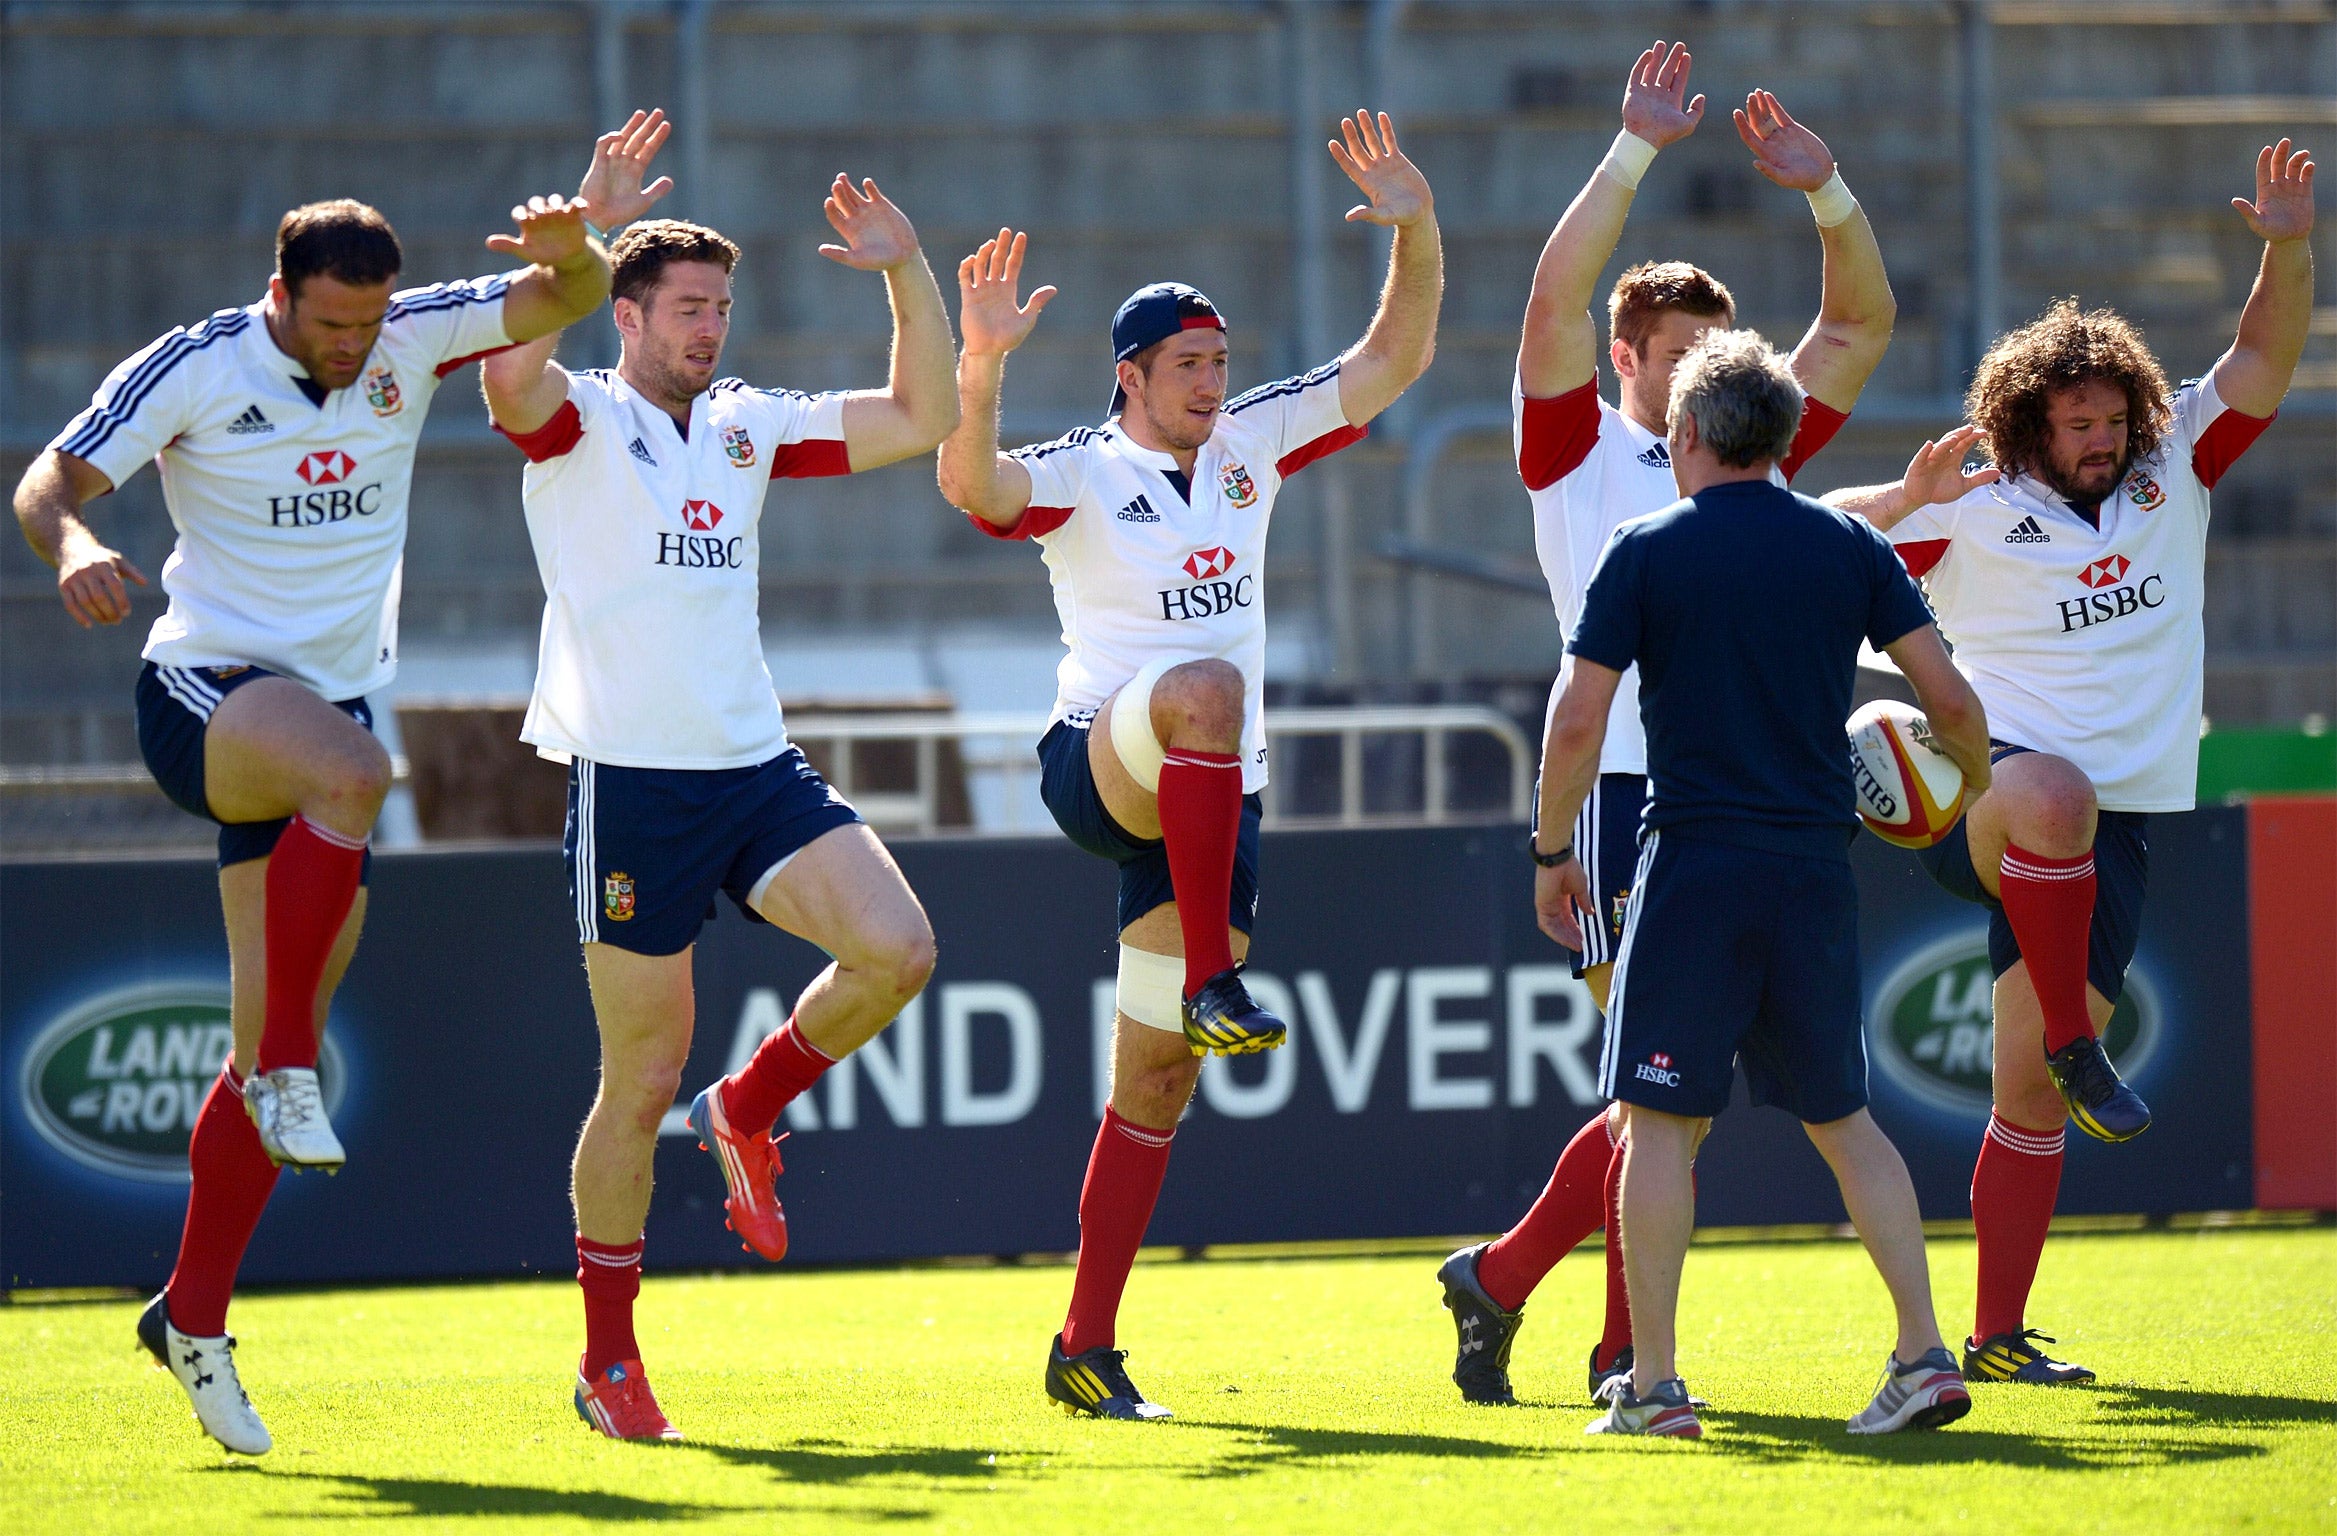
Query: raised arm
x,y
1397,347
569,275
1559,350
2253,376
1855,308
1958,723
918,405
49,499
1935,476
975,477
523,389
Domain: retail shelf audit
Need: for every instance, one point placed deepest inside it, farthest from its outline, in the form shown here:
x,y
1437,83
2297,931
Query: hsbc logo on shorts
x,y
328,468
2109,595
332,501
701,516
1213,591
1657,1069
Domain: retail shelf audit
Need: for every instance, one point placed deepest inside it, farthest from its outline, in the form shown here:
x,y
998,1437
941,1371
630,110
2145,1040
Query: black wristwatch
x,y
1551,860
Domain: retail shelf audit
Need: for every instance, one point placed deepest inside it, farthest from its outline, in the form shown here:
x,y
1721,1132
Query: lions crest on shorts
x,y
616,897
381,392
1239,488
739,446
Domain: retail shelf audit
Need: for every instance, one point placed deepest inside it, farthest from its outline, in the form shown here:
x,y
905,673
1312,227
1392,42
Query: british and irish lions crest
x,y
381,392
1239,488
739,446
616,897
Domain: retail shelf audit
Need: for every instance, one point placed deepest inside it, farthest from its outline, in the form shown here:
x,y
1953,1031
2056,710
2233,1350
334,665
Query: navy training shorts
x,y
648,848
1067,785
1730,953
1606,841
174,713
2121,877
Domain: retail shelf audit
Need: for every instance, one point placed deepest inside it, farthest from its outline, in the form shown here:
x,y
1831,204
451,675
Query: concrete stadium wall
x,y
149,148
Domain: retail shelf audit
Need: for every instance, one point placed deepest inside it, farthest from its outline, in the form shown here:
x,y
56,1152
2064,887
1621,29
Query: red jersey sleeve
x,y
1819,423
554,438
1555,435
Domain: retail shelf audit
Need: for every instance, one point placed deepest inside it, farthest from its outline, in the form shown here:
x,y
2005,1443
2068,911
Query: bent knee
x,y
359,778
2048,800
1156,1096
905,963
1202,698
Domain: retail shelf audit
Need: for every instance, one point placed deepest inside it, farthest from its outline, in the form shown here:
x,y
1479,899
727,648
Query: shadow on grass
x,y
1272,1447
368,1498
833,1461
2189,1408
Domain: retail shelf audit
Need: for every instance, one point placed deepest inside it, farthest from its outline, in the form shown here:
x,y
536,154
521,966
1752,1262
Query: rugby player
x,y
2071,578
1743,606
284,432
1154,531
1589,467
644,488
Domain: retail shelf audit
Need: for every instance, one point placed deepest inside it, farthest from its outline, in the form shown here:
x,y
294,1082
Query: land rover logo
x,y
116,1083
1930,1028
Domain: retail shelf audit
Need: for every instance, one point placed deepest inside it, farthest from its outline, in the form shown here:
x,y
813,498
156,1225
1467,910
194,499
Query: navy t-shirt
x,y
1743,607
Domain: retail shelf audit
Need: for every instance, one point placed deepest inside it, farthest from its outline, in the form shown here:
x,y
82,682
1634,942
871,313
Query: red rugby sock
x,y
311,882
2014,1186
1572,1206
610,1275
2050,904
232,1181
1201,822
1115,1206
782,1067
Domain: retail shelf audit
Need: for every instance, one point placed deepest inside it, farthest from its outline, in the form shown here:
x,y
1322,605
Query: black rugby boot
x,y
2098,1099
1486,1331
1222,1018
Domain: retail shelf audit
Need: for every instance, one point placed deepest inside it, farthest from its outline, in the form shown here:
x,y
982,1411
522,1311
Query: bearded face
x,y
2087,444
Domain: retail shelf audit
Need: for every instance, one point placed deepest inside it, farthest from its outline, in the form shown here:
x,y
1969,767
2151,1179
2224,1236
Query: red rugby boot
x,y
620,1404
750,1168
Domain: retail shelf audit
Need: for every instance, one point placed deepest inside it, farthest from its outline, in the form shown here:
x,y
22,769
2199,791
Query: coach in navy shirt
x,y
1743,607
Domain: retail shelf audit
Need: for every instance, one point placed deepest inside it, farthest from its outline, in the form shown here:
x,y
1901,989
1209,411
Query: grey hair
x,y
1743,395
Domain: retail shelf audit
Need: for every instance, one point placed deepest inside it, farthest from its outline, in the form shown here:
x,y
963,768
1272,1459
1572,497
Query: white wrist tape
x,y
1628,159
1152,989
1832,203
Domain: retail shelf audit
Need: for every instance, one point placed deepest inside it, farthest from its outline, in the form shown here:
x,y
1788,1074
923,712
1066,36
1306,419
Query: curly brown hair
x,y
1645,293
641,254
2064,347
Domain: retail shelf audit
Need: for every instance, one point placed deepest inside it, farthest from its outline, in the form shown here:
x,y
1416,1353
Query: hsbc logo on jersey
x,y
1212,592
701,549
332,501
328,468
2110,596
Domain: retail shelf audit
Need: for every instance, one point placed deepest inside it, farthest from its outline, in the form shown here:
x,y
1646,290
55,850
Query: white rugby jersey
x,y
291,515
1141,570
2086,641
652,648
1589,469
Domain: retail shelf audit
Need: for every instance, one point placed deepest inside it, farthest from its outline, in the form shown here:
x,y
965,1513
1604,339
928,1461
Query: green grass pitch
x,y
1310,1396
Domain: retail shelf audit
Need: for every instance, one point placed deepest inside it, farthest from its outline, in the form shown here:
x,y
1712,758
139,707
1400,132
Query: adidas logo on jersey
x,y
640,450
2026,531
1657,456
250,423
1138,511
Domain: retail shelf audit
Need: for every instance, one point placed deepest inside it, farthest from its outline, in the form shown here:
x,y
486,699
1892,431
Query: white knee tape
x,y
1133,738
1152,989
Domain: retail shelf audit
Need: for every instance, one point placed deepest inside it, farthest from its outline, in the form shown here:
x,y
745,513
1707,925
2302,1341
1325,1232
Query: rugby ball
x,y
1909,791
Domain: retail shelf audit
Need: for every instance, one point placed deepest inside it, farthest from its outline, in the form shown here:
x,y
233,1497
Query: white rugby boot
x,y
206,1369
288,1109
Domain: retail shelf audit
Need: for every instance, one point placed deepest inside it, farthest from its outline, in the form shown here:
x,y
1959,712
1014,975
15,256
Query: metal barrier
x,y
1000,745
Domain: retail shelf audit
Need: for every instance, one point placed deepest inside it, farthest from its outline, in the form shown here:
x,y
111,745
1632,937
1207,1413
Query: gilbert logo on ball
x,y
115,1082
1909,791
1931,1027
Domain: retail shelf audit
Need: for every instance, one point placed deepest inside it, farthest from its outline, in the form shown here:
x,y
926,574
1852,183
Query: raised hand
x,y
612,190
2283,209
991,316
877,236
1399,193
1936,474
1783,150
551,231
1654,102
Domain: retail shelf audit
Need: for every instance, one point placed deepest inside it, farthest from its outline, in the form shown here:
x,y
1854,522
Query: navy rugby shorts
x,y
1606,840
2121,876
1736,953
1067,785
174,714
648,848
